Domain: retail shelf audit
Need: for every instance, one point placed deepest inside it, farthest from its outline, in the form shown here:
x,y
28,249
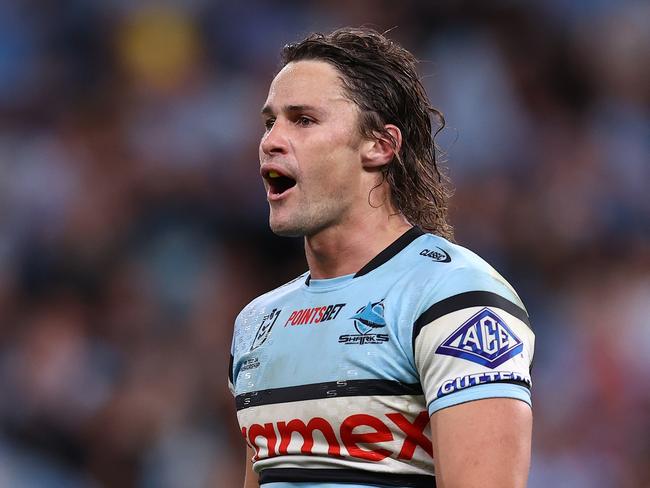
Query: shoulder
x,y
443,276
471,337
272,297
441,269
255,320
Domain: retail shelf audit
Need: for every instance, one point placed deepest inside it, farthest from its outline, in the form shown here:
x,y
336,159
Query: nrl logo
x,y
484,339
268,321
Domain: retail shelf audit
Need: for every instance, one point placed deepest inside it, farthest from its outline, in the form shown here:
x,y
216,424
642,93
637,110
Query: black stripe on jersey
x,y
230,372
511,382
297,475
401,242
467,300
330,389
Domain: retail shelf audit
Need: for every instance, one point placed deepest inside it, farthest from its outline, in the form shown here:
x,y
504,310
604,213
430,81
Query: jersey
x,y
335,379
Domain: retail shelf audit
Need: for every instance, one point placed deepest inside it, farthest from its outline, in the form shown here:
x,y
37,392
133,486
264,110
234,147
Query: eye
x,y
268,123
304,121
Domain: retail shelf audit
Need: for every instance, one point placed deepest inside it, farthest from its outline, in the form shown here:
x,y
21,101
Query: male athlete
x,y
399,359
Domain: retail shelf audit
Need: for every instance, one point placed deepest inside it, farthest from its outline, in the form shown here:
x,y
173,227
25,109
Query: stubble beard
x,y
308,219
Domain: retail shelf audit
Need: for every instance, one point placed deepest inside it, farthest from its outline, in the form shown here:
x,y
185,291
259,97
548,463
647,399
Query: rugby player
x,y
399,359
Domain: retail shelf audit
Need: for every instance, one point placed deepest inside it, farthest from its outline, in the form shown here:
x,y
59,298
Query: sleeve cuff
x,y
479,392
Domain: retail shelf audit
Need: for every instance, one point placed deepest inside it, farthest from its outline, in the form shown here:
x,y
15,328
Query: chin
x,y
293,228
299,224
282,232
285,229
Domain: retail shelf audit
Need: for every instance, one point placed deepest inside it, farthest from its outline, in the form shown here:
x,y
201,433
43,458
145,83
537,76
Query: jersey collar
x,y
392,250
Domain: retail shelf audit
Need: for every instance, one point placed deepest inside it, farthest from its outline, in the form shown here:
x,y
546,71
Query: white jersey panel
x,y
353,432
471,347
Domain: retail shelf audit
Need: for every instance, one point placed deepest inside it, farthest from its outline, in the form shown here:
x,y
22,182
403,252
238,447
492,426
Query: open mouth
x,y
278,183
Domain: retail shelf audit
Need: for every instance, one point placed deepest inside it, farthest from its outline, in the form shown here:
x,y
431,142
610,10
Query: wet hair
x,y
380,77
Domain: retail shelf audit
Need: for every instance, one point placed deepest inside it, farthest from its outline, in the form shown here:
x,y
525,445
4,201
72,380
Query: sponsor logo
x,y
462,382
314,315
367,320
251,363
265,328
441,256
358,436
484,339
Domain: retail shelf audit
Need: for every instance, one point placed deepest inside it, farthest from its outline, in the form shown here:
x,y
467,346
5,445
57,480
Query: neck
x,y
345,248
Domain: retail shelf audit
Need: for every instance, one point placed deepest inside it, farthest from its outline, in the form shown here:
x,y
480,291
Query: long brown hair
x,y
380,77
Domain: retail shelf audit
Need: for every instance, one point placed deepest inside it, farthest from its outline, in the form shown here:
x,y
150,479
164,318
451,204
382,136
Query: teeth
x,y
274,174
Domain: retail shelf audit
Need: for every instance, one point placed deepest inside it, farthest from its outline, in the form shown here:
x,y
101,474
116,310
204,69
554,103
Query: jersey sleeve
x,y
235,352
474,344
231,385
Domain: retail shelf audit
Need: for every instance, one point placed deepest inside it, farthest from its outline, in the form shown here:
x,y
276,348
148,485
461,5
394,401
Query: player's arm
x,y
483,443
251,480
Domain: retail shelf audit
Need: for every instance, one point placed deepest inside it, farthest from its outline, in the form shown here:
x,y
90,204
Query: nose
x,y
274,141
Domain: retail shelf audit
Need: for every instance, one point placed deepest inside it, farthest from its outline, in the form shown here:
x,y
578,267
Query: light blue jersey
x,y
335,380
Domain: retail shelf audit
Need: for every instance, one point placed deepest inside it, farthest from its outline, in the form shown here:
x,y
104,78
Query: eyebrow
x,y
267,110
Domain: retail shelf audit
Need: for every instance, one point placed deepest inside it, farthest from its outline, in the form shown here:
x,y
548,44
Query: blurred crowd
x,y
133,222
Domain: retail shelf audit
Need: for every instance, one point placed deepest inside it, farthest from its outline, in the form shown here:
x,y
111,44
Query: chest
x,y
311,340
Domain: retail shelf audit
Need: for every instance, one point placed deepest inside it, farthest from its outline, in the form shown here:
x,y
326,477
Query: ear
x,y
380,151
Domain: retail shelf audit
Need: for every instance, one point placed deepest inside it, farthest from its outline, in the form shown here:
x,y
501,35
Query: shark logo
x,y
366,321
369,317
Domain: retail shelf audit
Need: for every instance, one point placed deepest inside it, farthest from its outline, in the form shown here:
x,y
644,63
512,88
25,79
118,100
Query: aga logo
x,y
268,321
484,339
366,320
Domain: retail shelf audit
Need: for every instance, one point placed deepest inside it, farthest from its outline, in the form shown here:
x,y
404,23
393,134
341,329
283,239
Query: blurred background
x,y
133,222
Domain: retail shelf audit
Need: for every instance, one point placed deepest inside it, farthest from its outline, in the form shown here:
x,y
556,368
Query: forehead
x,y
307,82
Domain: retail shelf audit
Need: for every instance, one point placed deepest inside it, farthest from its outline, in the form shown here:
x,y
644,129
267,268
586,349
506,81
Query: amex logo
x,y
484,339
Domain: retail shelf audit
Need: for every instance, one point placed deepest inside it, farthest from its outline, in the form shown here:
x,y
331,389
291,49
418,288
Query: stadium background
x,y
133,221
